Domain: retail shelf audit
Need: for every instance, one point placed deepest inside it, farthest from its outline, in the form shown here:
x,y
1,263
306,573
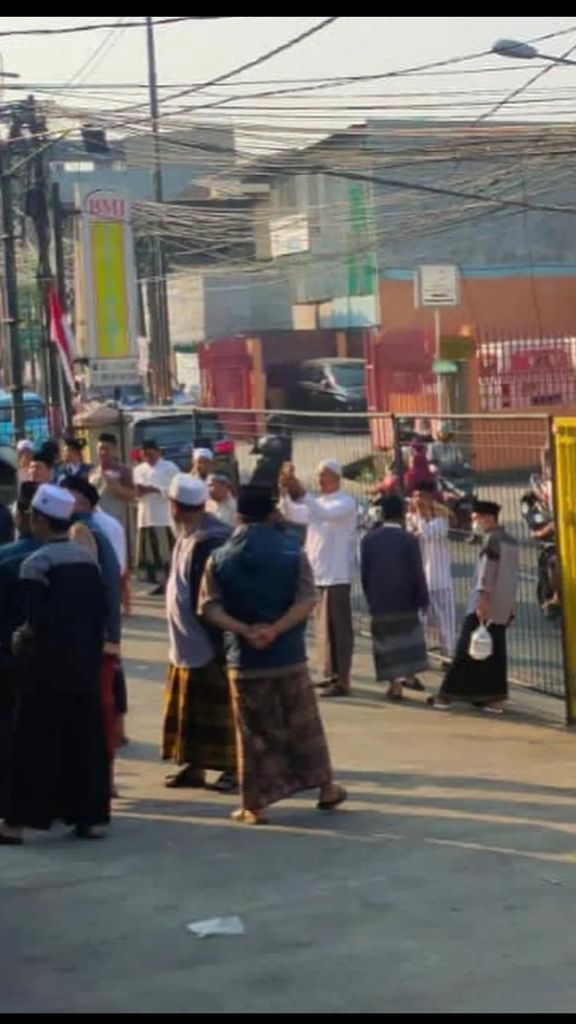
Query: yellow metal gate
x,y
565,511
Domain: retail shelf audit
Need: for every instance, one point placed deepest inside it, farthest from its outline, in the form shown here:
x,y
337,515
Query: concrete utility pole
x,y
158,306
11,284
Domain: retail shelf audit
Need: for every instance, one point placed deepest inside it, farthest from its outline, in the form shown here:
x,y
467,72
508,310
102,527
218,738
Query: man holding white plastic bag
x,y
472,677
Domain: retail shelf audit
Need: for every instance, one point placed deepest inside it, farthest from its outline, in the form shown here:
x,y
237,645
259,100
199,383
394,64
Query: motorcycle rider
x,y
445,454
547,533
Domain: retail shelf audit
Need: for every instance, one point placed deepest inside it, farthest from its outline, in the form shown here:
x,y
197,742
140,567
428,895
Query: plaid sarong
x,y
198,723
399,646
282,747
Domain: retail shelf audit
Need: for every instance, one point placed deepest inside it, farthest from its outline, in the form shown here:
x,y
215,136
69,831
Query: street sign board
x,y
113,372
456,347
438,285
109,288
444,366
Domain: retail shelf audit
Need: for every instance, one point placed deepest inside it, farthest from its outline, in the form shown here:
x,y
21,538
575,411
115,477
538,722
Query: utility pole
x,y
158,306
37,209
9,244
58,235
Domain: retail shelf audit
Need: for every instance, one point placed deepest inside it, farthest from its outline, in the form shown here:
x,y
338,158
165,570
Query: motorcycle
x,y
457,492
537,514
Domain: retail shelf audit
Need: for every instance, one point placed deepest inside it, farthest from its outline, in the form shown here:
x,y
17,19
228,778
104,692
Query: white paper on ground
x,y
217,926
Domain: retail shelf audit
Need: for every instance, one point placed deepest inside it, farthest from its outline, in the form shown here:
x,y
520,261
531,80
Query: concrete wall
x,y
510,301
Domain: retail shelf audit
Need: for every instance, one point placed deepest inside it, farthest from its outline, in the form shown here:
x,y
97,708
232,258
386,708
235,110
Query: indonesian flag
x,y
62,337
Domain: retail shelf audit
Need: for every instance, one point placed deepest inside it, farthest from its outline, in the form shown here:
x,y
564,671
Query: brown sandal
x,y
245,817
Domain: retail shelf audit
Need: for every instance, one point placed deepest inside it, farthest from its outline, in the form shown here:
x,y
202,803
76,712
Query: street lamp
x,y
525,51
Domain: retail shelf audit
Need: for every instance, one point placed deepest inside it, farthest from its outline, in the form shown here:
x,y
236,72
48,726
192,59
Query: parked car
x,y
330,385
35,417
179,433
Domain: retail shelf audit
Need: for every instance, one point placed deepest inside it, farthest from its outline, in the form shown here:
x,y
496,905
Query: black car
x,y
178,434
330,385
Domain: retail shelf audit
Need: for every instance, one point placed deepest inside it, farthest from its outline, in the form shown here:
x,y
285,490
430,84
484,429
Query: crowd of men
x,y
241,577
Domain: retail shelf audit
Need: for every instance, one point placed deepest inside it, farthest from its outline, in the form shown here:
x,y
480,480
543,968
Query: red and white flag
x,y
61,335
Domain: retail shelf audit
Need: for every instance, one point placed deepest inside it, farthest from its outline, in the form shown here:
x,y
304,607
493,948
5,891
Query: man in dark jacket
x,y
198,732
85,531
394,583
12,615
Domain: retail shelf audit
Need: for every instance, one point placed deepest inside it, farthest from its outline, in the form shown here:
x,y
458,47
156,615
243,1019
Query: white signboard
x,y
105,373
289,235
438,285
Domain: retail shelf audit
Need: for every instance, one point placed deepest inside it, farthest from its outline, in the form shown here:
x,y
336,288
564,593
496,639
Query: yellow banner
x,y
111,296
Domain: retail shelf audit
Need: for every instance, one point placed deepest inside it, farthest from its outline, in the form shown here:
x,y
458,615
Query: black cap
x,y
486,508
256,503
77,444
151,445
79,485
46,453
392,507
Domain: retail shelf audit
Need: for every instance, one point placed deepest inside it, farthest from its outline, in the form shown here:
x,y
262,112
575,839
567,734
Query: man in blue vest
x,y
259,589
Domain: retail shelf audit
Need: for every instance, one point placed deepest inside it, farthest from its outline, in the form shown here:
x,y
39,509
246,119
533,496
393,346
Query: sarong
x,y
282,746
477,682
198,722
398,645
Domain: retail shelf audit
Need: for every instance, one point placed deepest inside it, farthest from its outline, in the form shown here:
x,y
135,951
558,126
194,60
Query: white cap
x,y
53,501
332,464
188,490
24,446
203,453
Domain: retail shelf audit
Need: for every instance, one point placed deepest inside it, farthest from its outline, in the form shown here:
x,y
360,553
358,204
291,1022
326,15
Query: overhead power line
x,y
257,60
73,29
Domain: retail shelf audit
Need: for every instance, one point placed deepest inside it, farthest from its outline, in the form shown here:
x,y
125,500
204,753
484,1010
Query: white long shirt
x,y
330,539
116,535
433,536
225,511
153,509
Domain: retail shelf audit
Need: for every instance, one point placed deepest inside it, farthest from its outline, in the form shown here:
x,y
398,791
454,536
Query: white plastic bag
x,y
217,926
480,646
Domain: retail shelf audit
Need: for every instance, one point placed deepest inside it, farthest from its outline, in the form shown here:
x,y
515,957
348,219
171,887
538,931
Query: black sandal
x,y
186,779
87,832
226,783
10,840
331,805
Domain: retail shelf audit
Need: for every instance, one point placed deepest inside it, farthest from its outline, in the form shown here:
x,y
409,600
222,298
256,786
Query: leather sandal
x,y
245,817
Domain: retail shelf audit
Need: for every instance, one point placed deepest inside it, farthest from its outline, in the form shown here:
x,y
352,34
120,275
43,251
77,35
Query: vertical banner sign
x,y
110,280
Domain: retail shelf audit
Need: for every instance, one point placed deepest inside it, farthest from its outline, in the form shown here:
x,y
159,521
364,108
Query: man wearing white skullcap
x,y
198,731
25,452
331,519
202,461
58,762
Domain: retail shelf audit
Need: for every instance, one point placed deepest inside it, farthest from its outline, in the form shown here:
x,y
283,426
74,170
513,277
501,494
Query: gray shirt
x,y
110,502
190,645
497,576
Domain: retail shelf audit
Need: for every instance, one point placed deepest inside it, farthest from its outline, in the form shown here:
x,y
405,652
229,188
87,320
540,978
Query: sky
x,y
199,50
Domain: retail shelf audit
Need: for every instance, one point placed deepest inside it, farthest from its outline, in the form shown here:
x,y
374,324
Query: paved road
x,y
447,886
